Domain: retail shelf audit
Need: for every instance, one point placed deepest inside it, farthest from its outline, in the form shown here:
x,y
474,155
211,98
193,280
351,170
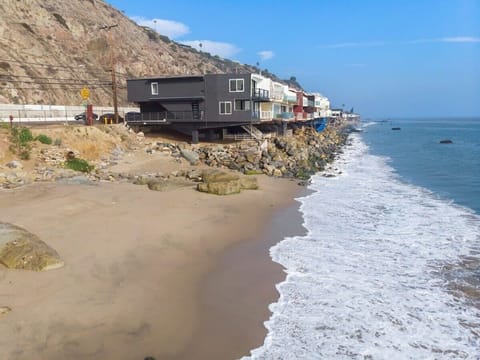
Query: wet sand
x,y
135,282
236,293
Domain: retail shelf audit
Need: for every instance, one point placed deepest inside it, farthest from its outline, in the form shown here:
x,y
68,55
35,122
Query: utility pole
x,y
112,63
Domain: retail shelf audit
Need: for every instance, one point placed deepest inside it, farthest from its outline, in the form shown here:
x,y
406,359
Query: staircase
x,y
253,131
196,111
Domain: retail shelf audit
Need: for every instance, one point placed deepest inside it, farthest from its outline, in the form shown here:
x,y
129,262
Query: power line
x,y
49,77
79,82
70,67
42,64
75,87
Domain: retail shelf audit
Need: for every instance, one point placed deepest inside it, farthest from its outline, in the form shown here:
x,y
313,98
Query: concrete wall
x,y
29,112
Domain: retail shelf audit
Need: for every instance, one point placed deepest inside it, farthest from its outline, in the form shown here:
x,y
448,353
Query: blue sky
x,y
385,58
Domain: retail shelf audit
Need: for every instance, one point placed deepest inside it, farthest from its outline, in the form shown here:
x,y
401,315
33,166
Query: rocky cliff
x,y
51,49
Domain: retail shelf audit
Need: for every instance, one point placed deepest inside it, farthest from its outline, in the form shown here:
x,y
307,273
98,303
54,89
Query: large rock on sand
x,y
168,185
20,249
218,175
248,183
191,156
220,187
225,183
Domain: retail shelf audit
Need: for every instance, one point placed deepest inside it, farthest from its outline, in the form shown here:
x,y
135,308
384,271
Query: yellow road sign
x,y
85,93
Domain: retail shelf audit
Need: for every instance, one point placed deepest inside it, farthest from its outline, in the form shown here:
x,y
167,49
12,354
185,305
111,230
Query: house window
x,y
154,88
242,105
237,85
225,107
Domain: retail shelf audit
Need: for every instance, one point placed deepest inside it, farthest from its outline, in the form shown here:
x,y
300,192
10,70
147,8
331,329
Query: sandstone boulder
x,y
219,182
20,249
167,185
249,183
218,175
225,183
220,187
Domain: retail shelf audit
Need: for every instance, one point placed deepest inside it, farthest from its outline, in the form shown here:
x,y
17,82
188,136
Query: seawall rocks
x,y
298,156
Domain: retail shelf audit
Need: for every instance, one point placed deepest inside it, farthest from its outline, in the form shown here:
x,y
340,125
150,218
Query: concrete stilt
x,y
209,136
195,137
282,129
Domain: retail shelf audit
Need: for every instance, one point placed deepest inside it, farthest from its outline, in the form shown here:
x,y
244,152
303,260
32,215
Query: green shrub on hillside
x,y
24,154
78,165
44,139
24,135
20,139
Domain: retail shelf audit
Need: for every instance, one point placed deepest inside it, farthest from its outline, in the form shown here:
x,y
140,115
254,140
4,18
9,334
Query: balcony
x,y
285,116
161,117
302,116
266,115
260,95
262,115
290,98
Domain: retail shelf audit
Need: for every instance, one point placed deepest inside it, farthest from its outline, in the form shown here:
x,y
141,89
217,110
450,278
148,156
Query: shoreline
x,y
135,265
237,292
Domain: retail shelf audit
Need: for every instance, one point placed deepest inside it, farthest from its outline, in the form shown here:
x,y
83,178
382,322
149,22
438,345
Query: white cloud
x,y
266,54
170,28
225,50
462,39
453,39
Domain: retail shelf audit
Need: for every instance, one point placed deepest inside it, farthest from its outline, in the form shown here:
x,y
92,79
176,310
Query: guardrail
x,y
160,117
51,113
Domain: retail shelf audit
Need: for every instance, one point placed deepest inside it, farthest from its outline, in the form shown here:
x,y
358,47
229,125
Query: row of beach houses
x,y
209,106
212,104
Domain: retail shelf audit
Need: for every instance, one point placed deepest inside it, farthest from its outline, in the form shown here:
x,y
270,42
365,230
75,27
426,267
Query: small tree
x,y
20,139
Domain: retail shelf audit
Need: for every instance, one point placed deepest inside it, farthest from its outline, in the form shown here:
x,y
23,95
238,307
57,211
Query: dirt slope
x,y
50,49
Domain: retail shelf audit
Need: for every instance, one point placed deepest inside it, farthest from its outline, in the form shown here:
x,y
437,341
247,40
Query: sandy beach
x,y
173,275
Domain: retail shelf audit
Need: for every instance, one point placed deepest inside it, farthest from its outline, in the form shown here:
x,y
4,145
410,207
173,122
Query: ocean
x,y
390,265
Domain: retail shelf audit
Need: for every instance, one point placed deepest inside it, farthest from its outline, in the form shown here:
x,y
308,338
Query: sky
x,y
384,58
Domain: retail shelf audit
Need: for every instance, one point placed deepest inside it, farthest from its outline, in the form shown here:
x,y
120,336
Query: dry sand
x,y
147,273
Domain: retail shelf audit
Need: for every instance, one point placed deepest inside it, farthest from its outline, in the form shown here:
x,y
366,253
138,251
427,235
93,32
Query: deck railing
x,y
266,115
285,116
290,98
261,94
161,116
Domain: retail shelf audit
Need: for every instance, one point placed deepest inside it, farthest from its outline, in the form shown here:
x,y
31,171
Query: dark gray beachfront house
x,y
197,103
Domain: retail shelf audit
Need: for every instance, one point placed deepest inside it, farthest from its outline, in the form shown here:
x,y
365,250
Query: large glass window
x,y
225,107
154,88
242,105
237,85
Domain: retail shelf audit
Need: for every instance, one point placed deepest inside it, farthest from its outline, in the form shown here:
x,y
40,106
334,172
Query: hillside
x,y
51,49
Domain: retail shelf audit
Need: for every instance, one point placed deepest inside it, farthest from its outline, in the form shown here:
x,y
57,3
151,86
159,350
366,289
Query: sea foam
x,y
366,281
